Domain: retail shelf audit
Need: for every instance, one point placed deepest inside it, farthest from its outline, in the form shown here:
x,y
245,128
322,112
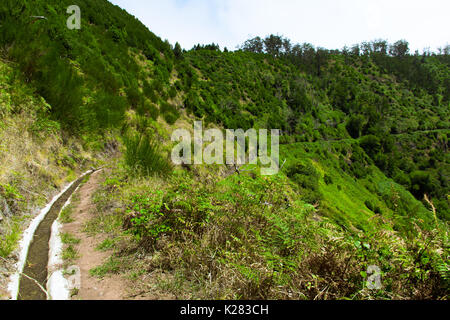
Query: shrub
x,y
169,112
149,109
172,92
420,181
109,110
371,144
149,91
369,205
146,219
355,125
134,96
402,178
9,240
307,178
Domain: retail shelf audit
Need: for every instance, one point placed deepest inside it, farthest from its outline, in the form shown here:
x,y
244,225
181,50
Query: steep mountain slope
x,y
61,90
365,137
88,76
353,97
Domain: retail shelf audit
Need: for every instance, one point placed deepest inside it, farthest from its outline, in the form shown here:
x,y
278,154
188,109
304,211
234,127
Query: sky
x,y
331,24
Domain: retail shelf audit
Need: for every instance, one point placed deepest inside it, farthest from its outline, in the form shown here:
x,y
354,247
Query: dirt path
x,y
110,287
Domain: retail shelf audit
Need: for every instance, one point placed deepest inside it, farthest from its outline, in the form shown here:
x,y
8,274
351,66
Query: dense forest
x,y
364,134
375,93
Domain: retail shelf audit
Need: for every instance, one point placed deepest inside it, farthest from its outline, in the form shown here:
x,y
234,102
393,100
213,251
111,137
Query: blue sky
x,y
326,23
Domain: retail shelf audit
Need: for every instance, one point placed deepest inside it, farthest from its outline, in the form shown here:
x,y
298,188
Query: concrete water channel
x,y
33,278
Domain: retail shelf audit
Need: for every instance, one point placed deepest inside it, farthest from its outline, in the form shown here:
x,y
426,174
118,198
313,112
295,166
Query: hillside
x,y
364,135
354,97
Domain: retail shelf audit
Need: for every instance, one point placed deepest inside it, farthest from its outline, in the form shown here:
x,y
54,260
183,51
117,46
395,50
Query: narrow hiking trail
x,y
46,275
111,287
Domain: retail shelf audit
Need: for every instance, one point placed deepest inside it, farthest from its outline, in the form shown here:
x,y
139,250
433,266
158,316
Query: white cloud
x,y
326,23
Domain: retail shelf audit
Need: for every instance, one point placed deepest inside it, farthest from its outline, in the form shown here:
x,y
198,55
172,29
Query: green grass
x,y
112,265
103,223
10,239
69,253
256,235
67,238
66,214
106,244
144,155
344,199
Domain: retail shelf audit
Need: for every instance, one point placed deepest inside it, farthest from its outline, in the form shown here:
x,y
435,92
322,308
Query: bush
x,y
109,110
371,144
146,220
307,178
169,112
369,205
421,183
149,109
134,96
402,178
10,239
355,125
143,153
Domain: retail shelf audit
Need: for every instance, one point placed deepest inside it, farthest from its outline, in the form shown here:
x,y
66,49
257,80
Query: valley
x,y
362,178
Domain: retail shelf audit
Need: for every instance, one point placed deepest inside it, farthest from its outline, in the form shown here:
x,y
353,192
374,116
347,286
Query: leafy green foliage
x,y
375,93
306,176
352,120
169,112
80,73
143,154
249,237
10,239
147,218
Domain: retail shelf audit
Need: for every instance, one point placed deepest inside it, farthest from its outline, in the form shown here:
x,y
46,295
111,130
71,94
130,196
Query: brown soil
x,y
111,287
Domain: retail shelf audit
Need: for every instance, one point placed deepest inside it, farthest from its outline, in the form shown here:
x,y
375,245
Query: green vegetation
x,y
66,214
247,236
80,74
106,245
360,181
364,134
69,253
316,94
144,155
110,266
67,238
10,238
